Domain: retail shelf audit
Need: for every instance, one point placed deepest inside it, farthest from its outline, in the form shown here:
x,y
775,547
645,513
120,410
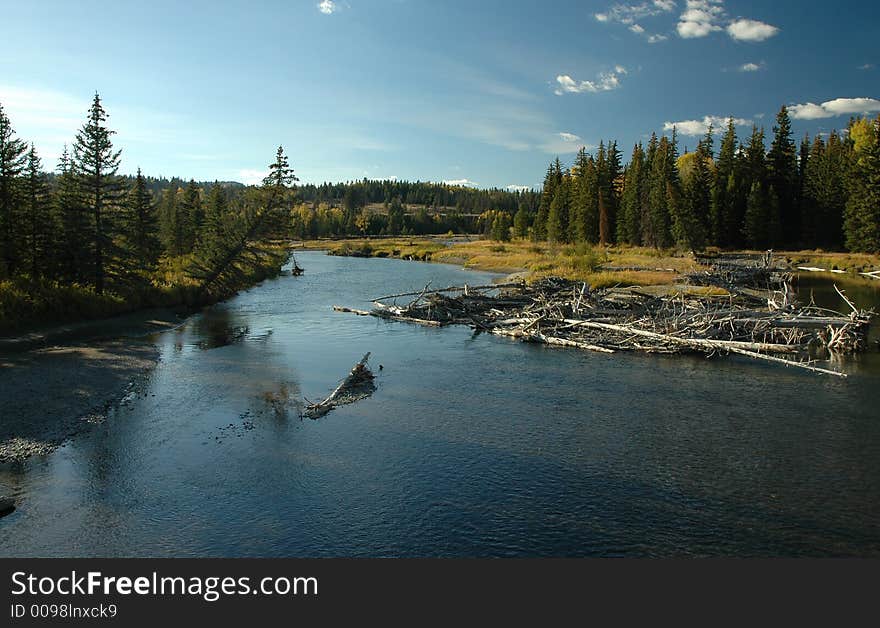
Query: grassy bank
x,y
600,266
27,305
634,266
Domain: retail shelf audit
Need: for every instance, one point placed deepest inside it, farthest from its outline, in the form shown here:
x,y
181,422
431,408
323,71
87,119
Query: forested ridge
x,y
824,193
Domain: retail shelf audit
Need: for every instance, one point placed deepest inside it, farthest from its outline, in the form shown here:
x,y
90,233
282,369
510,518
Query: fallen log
x,y
357,385
721,345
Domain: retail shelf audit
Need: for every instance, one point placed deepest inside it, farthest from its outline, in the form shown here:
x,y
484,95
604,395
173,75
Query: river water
x,y
471,446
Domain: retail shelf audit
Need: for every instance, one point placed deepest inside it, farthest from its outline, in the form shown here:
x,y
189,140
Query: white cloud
x,y
751,67
252,177
606,81
327,7
703,17
866,66
461,182
700,18
751,30
637,29
834,108
518,188
701,127
653,39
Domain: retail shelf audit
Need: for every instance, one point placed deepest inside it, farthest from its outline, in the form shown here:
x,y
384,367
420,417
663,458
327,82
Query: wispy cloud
x,y
751,67
50,118
327,7
751,30
834,108
629,13
866,66
605,82
701,127
562,144
250,176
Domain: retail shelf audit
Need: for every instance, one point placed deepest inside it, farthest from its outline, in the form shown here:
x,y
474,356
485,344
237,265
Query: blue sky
x,y
479,92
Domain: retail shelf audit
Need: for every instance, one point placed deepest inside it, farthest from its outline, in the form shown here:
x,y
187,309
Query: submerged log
x,y
357,385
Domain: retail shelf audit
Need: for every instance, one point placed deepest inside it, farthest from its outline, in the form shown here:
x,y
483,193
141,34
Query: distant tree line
x,y
823,194
85,225
436,197
372,207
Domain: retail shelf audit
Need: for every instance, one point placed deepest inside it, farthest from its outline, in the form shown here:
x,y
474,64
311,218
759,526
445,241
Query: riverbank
x,y
28,306
599,266
53,393
56,380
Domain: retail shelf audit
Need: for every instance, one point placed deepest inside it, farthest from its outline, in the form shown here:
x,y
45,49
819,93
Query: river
x,y
473,445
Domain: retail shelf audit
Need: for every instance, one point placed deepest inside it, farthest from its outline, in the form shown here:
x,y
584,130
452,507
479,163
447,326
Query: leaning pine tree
x,y
234,248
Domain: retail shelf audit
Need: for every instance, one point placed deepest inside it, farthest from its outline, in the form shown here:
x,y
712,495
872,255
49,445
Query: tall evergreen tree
x,y
723,222
557,224
172,222
140,228
39,230
629,227
663,177
96,166
783,177
191,216
74,249
862,217
13,157
552,180
521,221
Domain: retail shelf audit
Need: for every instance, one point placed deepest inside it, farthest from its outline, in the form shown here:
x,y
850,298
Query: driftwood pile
x,y
758,317
357,385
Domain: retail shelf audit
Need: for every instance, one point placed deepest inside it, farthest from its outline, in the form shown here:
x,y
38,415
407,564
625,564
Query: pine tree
x,y
552,180
783,176
521,221
629,227
38,231
96,166
811,193
74,251
656,226
604,221
862,217
556,231
191,216
395,217
584,214
13,157
171,223
723,221
140,228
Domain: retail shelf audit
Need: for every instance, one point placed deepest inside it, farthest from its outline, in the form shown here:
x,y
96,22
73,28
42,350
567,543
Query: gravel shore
x,y
54,384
